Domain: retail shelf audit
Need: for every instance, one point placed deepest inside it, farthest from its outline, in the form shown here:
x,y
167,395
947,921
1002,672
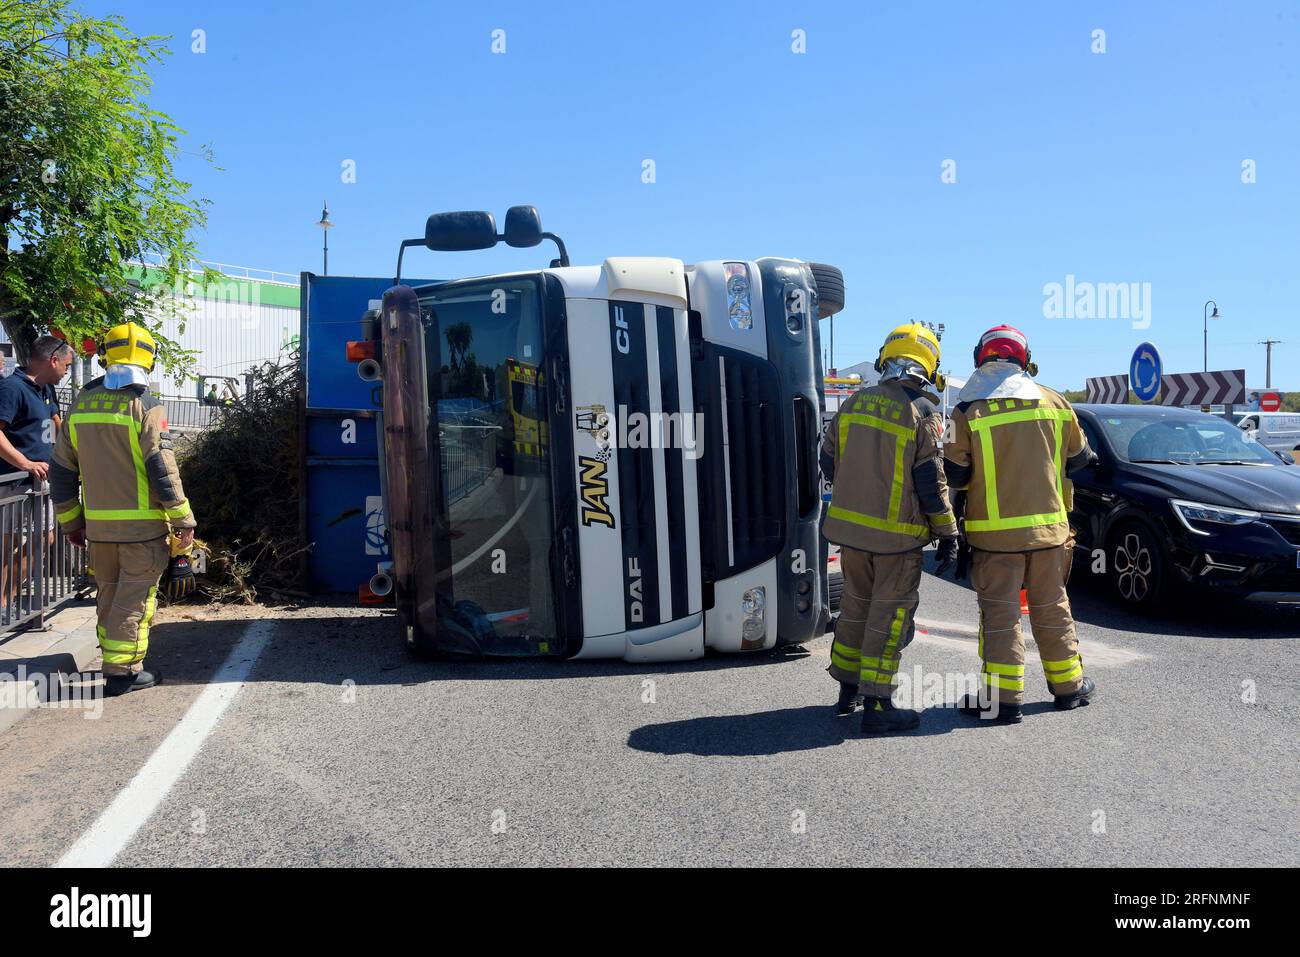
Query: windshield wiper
x,y
1158,462
1231,462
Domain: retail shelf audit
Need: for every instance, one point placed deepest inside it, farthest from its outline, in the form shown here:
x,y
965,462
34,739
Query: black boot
x,y
1076,699
999,712
849,700
879,716
115,685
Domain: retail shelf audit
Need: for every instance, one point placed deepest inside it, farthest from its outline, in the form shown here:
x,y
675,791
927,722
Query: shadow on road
x,y
368,651
782,731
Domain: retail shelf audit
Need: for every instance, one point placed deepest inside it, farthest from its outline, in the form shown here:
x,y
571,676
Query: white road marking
x,y
136,803
959,636
951,632
496,536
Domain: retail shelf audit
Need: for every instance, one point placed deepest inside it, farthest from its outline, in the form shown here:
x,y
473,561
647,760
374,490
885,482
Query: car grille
x,y
1287,529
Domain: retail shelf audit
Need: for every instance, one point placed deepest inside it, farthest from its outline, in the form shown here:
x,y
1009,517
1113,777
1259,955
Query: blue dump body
x,y
341,511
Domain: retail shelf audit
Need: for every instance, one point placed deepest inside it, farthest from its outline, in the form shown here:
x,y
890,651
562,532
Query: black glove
x,y
963,561
947,555
178,581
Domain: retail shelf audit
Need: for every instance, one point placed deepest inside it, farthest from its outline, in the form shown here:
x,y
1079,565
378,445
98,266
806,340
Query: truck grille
x,y
757,459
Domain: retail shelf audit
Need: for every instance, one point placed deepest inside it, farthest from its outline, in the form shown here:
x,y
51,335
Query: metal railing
x,y
183,413
468,459
238,272
38,568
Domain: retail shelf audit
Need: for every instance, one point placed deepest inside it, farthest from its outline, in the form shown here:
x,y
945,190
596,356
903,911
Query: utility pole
x,y
1268,345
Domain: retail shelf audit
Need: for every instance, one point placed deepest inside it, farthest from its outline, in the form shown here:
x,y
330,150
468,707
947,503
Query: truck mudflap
x,y
409,460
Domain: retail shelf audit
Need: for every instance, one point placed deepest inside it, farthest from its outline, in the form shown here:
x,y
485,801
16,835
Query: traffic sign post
x,y
1144,372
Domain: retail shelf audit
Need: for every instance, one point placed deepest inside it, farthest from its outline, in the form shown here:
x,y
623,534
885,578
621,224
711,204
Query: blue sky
x,y
1119,167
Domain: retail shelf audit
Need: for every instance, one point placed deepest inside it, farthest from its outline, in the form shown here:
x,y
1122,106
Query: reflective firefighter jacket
x,y
882,452
115,446
1014,454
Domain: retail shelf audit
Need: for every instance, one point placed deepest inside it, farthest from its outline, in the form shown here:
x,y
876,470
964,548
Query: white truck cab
x,y
607,461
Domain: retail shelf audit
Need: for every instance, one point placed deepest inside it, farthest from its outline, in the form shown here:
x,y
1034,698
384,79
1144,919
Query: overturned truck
x,y
613,461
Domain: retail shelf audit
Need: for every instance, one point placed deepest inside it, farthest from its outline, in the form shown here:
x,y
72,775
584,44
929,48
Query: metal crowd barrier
x,y
38,568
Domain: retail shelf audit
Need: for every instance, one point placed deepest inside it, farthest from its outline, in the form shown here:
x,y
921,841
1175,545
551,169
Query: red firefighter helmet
x,y
1005,343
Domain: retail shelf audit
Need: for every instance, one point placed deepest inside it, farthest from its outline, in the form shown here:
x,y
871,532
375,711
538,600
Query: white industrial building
x,y
248,317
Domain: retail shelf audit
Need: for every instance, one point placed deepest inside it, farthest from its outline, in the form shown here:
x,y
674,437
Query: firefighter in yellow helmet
x,y
1013,443
890,500
116,490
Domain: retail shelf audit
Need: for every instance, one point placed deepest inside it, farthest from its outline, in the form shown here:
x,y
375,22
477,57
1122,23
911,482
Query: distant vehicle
x,y
1181,498
1279,431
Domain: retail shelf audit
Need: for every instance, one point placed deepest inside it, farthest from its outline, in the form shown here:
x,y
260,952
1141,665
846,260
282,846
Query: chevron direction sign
x,y
1107,388
1226,387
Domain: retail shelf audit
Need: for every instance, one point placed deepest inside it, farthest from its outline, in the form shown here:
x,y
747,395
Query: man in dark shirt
x,y
29,422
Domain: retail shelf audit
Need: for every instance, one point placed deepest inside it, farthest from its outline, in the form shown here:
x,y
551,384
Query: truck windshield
x,y
483,349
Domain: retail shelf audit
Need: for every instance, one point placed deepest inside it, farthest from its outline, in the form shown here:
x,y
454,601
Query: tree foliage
x,y
87,186
241,477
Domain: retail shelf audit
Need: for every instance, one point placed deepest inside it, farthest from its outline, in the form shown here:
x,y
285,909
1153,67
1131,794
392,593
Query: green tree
x,y
87,188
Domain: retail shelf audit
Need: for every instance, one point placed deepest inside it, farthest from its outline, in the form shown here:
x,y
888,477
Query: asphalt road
x,y
339,750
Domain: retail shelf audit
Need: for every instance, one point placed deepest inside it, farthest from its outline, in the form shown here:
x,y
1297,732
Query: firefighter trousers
x,y
126,579
998,578
877,609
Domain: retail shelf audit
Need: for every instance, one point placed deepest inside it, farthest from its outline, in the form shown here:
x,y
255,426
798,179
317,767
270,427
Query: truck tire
x,y
836,589
830,289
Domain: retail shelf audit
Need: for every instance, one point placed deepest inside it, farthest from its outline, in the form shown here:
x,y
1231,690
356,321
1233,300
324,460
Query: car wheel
x,y
1137,566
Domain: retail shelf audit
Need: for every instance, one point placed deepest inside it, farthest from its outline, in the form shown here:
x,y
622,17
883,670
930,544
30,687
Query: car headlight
x,y
753,608
1189,512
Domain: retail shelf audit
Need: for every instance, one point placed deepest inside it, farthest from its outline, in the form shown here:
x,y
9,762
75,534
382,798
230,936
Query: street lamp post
x,y
1205,332
325,225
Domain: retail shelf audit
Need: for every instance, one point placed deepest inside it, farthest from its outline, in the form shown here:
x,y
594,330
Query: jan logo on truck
x,y
595,492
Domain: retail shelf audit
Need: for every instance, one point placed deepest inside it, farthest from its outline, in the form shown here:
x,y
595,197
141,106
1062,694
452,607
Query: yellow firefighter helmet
x,y
912,341
129,343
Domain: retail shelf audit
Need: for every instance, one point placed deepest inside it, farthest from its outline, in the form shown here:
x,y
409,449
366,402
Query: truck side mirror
x,y
461,231
523,227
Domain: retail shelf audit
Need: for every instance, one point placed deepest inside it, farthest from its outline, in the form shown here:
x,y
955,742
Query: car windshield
x,y
483,343
1195,440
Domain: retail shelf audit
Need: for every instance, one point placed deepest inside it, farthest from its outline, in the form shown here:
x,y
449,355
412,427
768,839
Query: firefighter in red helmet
x,y
1013,445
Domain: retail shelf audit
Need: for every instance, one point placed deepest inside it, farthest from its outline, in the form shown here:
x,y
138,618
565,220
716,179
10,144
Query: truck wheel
x,y
830,289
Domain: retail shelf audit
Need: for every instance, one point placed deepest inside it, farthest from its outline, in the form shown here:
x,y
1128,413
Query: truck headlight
x,y
753,609
739,307
1189,512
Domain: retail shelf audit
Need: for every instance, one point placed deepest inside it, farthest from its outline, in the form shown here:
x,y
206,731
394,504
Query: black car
x,y
1182,498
